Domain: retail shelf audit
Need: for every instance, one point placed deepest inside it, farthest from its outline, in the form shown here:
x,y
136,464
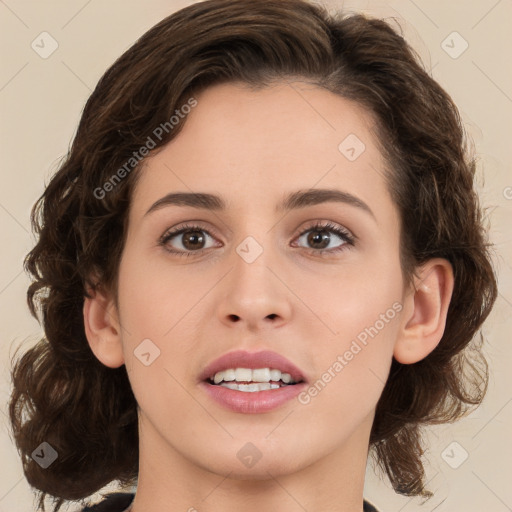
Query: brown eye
x,y
186,240
319,239
193,240
320,236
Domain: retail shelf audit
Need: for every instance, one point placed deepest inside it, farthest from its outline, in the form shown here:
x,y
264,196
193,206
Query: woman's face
x,y
251,276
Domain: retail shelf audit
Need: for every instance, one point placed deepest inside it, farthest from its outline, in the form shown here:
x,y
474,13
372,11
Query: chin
x,y
246,461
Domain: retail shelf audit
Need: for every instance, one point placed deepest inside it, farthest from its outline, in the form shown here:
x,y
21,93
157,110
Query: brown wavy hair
x,y
86,411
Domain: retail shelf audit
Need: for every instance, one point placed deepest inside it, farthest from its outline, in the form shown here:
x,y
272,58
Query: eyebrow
x,y
292,201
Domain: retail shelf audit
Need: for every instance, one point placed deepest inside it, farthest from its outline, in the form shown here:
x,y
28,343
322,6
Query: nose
x,y
254,294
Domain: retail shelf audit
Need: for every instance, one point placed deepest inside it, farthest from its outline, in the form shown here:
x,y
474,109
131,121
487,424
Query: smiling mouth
x,y
252,380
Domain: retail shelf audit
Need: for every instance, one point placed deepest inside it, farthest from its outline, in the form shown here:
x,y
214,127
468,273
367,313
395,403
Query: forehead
x,y
305,117
267,142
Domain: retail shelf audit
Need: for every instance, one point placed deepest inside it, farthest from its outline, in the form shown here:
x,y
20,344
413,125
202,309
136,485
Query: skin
x,y
252,148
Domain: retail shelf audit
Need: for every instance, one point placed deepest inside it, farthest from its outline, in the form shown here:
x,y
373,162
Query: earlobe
x,y
427,309
102,328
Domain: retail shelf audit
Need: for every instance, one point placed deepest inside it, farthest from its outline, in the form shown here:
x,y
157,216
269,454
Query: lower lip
x,y
252,402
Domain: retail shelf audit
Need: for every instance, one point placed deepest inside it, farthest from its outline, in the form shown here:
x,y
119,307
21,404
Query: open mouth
x,y
252,380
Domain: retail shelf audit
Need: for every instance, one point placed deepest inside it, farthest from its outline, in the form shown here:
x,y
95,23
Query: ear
x,y
425,312
102,328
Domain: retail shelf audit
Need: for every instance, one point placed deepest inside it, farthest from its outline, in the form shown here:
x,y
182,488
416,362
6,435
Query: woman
x,y
262,258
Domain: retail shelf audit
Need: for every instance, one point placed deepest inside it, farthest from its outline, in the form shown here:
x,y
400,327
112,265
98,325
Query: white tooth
x,y
286,377
249,388
230,385
249,375
261,375
274,386
243,374
229,375
275,375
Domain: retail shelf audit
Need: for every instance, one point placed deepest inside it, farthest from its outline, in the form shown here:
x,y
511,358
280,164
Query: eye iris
x,y
194,237
319,236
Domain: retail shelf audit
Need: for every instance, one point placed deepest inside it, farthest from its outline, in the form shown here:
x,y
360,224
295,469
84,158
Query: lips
x,y
252,360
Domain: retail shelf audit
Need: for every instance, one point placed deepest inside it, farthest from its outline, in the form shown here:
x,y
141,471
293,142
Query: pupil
x,y
194,237
319,237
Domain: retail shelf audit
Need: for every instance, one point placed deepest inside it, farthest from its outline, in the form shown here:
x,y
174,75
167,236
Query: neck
x,y
171,479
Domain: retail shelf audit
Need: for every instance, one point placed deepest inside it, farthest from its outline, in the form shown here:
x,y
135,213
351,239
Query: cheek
x,y
352,369
154,296
151,311
363,304
364,320
158,307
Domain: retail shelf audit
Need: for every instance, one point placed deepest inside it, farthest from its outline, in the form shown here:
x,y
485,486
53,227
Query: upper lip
x,y
252,360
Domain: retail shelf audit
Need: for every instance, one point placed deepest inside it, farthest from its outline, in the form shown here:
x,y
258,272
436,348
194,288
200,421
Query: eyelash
x,y
318,226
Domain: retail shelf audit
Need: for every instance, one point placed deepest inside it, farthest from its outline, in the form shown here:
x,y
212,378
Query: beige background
x,y
41,101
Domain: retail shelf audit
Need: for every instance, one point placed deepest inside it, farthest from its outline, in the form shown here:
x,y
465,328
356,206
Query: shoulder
x,y
113,502
368,507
